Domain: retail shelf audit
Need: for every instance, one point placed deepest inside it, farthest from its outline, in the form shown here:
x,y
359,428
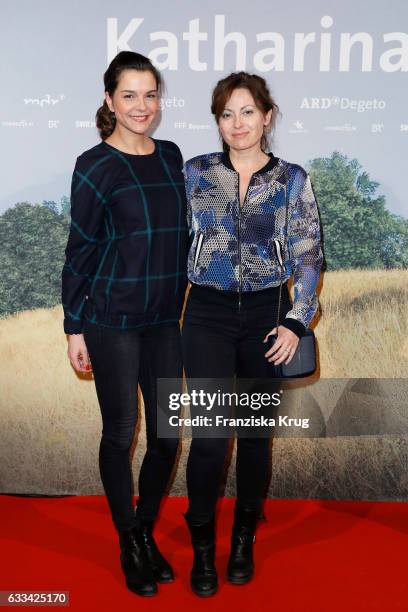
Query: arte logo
x,y
47,100
388,52
298,128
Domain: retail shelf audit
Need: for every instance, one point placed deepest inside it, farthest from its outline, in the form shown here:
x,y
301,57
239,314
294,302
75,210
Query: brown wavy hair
x,y
259,90
125,60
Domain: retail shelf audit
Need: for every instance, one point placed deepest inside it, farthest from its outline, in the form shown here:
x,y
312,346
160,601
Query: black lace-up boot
x,y
162,570
203,577
135,564
241,564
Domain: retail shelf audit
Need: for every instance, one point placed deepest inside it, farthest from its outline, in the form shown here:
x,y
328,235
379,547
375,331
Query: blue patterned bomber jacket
x,y
234,248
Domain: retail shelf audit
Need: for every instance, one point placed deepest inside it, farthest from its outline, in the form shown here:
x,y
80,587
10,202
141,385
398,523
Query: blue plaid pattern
x,y
125,263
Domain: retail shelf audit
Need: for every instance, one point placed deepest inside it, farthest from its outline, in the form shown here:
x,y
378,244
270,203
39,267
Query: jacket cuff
x,y
72,327
295,326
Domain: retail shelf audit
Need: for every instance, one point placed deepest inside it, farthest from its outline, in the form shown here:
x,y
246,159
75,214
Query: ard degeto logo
x,y
344,103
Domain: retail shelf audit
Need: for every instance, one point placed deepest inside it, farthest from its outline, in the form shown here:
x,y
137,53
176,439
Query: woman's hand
x,y
78,353
284,346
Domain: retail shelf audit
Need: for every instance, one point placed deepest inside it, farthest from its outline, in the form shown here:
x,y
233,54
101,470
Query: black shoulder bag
x,y
303,362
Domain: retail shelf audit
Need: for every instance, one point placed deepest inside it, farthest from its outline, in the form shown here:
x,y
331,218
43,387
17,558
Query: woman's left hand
x,y
284,346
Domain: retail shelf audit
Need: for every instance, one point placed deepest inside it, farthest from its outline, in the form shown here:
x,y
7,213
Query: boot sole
x,y
131,588
208,594
165,581
135,590
238,581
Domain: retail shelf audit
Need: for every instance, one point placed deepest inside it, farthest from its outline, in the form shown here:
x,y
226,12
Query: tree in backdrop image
x,y
358,232
33,238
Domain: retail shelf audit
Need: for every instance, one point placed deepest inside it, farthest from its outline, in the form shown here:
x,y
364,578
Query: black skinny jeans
x,y
122,358
220,341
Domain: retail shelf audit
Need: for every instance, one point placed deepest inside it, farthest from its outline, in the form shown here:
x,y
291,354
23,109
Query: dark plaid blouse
x,y
126,254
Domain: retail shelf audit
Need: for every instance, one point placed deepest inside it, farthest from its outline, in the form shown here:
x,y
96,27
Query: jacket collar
x,y
273,161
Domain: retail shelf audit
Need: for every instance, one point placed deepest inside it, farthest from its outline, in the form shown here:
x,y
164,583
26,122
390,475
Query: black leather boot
x,y
162,570
203,577
135,564
240,563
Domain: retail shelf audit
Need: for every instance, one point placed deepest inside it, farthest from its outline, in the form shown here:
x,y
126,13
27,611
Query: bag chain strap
x,y
283,244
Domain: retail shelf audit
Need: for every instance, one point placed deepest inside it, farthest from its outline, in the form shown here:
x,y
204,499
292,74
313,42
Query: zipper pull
x,y
278,252
198,249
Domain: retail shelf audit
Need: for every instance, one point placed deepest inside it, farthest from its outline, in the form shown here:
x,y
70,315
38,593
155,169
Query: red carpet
x,y
317,556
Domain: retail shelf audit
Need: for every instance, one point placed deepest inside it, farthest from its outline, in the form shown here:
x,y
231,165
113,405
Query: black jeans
x,y
220,341
122,358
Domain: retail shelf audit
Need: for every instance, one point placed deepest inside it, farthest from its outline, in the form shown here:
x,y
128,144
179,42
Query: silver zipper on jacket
x,y
198,249
239,250
239,240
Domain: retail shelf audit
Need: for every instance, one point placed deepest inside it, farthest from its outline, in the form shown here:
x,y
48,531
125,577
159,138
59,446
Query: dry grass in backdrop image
x,y
50,419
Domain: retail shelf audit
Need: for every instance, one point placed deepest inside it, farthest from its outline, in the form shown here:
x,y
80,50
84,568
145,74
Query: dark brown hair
x,y
125,60
259,90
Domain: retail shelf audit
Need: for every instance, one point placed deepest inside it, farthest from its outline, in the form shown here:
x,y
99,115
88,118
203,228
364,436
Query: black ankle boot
x,y
241,564
162,570
135,564
203,577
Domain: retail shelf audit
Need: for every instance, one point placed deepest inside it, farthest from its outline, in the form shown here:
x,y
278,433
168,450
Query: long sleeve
x,y
304,242
190,178
87,214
